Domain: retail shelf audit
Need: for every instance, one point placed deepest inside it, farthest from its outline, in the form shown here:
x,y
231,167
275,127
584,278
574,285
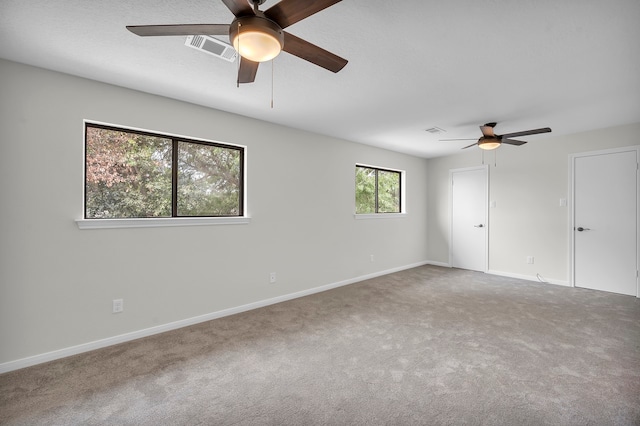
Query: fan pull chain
x,y
482,156
495,155
239,58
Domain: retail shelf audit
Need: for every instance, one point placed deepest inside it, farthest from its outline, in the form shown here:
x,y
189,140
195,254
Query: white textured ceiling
x,y
572,65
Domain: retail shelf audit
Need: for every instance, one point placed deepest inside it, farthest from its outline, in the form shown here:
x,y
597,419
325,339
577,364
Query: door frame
x,y
485,168
572,216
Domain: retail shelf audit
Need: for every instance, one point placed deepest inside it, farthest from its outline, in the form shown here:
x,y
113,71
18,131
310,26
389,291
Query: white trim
x,y
159,222
571,222
435,263
529,278
157,132
371,166
571,199
109,341
380,216
486,169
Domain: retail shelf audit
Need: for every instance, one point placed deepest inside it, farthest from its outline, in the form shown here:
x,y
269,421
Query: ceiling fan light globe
x,y
488,144
256,39
257,46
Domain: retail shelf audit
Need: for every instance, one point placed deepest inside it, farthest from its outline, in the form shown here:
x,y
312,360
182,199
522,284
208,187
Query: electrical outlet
x,y
272,277
118,306
530,260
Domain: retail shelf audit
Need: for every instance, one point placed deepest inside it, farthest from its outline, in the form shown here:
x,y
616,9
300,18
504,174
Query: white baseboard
x,y
110,341
435,263
508,274
529,278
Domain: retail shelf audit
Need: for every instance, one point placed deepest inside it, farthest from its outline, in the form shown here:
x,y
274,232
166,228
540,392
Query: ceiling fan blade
x,y
487,130
247,71
288,12
312,53
239,7
469,146
527,132
512,142
179,29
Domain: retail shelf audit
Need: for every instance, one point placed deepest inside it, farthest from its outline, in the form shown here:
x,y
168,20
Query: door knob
x,y
580,229
478,226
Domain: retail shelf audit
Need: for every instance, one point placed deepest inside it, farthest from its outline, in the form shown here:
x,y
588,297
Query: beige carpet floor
x,y
426,346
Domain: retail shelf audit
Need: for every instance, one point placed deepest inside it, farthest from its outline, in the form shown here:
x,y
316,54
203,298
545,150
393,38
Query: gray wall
x,y
57,282
527,183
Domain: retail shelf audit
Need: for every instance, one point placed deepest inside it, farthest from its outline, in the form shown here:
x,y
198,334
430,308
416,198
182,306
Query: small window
x,y
378,190
136,174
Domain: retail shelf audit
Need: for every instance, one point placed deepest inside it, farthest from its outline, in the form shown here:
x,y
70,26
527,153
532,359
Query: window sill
x,y
160,222
380,216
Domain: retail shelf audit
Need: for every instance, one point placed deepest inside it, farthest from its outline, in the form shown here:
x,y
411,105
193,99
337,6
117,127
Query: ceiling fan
x,y
490,140
257,35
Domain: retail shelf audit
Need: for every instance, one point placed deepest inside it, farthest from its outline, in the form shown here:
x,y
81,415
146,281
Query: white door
x,y
469,195
605,217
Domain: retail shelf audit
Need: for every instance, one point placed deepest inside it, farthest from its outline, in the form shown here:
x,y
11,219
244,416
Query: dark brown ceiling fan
x,y
490,140
257,35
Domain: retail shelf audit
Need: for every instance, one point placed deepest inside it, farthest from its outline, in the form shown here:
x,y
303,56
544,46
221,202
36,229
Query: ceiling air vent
x,y
212,46
435,130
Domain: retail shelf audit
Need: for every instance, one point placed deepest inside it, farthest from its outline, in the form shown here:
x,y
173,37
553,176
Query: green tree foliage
x,y
377,191
365,190
129,175
388,192
208,180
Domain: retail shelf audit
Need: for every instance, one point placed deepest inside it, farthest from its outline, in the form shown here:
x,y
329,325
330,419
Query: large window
x,y
378,190
136,174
